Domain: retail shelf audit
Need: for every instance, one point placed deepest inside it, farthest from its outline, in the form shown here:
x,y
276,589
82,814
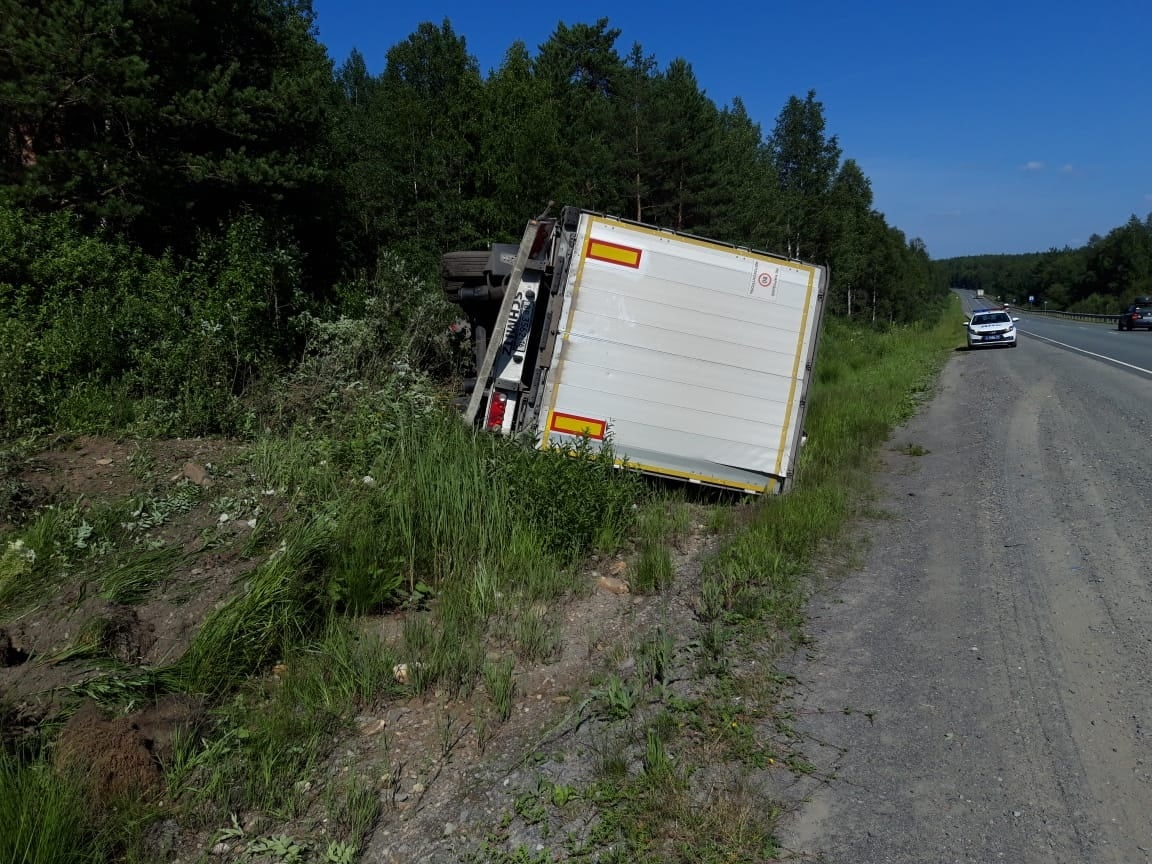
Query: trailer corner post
x,y
527,242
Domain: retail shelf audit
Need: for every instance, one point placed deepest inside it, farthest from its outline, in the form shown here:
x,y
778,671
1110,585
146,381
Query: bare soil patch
x,y
62,639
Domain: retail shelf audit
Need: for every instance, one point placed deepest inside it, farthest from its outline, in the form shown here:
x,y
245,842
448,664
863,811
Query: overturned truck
x,y
692,357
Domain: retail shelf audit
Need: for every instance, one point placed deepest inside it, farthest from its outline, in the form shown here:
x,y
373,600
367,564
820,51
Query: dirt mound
x,y
92,624
188,561
92,466
120,758
171,718
122,637
111,755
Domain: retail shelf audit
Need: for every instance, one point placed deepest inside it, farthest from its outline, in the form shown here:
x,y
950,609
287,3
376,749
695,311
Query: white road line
x,y
1089,353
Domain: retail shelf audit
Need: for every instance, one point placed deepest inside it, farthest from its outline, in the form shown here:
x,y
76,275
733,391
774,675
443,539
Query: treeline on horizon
x,y
188,190
1100,277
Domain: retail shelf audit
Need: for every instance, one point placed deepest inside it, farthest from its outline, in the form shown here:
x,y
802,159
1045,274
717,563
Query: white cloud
x,y
1033,166
1067,169
1148,196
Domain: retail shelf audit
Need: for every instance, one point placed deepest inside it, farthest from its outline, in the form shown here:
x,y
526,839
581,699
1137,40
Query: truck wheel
x,y
463,265
462,269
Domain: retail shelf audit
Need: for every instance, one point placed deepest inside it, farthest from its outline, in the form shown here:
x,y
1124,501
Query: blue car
x,y
1139,314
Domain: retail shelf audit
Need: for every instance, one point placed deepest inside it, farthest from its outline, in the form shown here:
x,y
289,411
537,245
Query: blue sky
x,y
985,127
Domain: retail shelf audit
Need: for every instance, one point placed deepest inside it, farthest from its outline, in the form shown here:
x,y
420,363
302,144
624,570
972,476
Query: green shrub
x,y
96,335
575,497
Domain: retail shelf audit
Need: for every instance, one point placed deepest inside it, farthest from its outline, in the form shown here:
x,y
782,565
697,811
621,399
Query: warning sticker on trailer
x,y
765,282
570,424
614,253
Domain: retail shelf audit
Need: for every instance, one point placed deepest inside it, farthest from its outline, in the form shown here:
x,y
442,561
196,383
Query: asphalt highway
x,y
979,689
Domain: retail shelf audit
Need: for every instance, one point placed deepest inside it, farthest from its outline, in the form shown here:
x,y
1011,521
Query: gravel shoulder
x,y
981,688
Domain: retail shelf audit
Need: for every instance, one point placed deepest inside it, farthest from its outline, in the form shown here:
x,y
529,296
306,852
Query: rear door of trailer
x,y
693,356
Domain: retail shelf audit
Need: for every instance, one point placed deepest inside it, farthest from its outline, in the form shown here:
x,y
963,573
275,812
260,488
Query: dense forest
x,y
1100,277
192,195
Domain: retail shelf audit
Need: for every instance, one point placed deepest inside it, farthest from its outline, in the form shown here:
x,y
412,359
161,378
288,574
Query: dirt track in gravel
x,y
982,686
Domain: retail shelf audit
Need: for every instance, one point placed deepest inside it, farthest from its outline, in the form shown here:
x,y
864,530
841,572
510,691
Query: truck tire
x,y
463,265
462,269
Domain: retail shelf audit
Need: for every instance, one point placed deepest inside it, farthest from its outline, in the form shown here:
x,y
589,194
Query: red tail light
x,y
497,405
543,232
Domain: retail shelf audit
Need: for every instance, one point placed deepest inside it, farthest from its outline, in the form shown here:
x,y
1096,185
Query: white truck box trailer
x,y
692,357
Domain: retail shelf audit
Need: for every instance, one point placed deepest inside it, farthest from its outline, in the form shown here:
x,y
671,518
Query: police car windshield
x,y
991,318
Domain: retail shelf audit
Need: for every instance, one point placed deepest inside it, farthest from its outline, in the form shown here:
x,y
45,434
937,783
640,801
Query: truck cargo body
x,y
692,357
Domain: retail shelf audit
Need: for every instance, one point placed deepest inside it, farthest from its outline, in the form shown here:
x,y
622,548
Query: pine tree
x,y
743,203
162,118
520,145
638,144
687,124
584,75
363,173
431,92
75,95
806,162
853,251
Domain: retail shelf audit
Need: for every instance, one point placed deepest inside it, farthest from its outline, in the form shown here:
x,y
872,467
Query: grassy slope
x,y
425,478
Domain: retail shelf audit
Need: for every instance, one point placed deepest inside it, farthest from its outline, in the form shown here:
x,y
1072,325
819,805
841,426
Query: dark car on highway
x,y
1139,314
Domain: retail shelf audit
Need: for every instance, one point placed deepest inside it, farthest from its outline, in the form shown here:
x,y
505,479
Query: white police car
x,y
988,328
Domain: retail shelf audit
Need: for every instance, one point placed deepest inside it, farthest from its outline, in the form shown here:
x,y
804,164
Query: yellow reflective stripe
x,y
602,250
795,371
665,234
702,478
573,425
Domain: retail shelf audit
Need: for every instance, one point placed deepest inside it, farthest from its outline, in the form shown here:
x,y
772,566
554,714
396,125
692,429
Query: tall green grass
x,y
27,569
278,608
133,578
46,816
480,525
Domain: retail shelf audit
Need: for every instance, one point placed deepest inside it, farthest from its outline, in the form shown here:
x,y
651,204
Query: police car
x,y
989,328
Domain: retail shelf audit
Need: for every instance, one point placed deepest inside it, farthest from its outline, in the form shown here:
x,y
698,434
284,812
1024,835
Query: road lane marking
x,y
1089,353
